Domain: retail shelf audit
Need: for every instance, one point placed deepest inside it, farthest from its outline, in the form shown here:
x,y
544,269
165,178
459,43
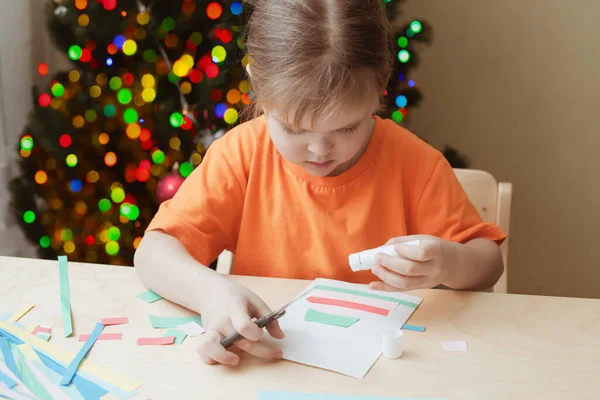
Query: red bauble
x,y
168,186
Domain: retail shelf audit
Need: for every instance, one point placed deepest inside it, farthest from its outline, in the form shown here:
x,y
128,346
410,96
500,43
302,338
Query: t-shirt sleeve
x,y
204,215
445,211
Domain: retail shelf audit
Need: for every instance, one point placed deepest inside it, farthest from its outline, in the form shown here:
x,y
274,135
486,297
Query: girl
x,y
313,178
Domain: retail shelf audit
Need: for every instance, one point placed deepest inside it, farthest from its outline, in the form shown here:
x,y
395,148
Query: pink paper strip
x,y
348,304
155,341
103,336
115,321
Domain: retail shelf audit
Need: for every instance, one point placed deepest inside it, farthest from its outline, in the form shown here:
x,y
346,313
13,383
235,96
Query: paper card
x,y
65,295
20,312
192,329
156,341
455,346
114,321
74,364
172,322
179,335
103,336
149,296
329,319
279,395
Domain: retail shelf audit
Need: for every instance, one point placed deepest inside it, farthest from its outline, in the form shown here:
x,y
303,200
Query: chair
x,y
492,200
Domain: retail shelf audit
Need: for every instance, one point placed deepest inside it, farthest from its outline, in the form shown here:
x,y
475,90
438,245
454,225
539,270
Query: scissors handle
x,y
261,323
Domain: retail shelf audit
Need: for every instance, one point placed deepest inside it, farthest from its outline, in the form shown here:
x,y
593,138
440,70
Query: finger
x,y
404,239
383,287
244,325
275,330
260,349
211,351
424,252
259,308
398,281
401,265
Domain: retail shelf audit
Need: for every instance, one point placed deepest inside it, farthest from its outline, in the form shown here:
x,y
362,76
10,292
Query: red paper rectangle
x,y
115,321
155,341
40,329
103,336
349,304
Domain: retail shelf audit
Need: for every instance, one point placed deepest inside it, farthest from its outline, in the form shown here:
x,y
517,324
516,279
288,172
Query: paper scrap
x,y
74,364
455,346
179,335
155,341
96,373
19,313
45,385
103,336
172,322
367,294
11,383
192,329
348,304
280,395
43,336
29,378
114,321
149,296
41,329
65,296
329,319
9,359
12,394
413,328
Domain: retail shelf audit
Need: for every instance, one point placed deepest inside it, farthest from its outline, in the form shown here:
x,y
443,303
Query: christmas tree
x,y
152,84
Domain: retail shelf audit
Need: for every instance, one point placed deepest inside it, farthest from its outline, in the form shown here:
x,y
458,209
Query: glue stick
x,y
366,259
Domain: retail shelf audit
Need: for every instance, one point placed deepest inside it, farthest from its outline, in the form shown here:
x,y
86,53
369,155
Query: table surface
x,y
520,347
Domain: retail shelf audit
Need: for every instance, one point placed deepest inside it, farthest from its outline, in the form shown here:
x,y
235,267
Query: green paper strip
x,y
149,296
9,359
44,336
65,296
172,322
329,319
179,335
29,379
365,294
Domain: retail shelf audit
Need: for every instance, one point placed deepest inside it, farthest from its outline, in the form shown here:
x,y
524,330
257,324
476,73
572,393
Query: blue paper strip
x,y
87,389
10,382
413,328
9,359
10,337
74,364
277,395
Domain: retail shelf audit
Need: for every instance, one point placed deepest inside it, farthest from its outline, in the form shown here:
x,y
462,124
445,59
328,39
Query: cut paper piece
x,y
329,319
44,385
367,294
192,329
41,329
455,346
98,374
65,296
20,387
413,328
155,341
70,391
179,335
19,313
44,336
73,365
114,321
10,382
388,305
348,304
6,393
9,359
172,322
29,378
103,336
86,388
278,395
149,296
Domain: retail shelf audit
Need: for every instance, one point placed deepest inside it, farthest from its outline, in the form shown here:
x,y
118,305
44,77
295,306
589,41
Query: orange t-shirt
x,y
280,221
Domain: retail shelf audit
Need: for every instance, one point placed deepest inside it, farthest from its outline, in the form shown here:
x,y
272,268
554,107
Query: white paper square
x,y
455,346
192,329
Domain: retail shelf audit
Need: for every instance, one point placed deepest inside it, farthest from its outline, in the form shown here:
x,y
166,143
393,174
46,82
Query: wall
x,y
516,86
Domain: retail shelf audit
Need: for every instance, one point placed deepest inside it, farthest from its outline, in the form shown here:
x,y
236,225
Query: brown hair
x,y
313,58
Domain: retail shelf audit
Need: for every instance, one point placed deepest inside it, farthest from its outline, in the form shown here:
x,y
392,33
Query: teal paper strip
x,y
365,294
413,328
149,296
172,322
74,364
65,296
9,359
329,319
29,378
179,335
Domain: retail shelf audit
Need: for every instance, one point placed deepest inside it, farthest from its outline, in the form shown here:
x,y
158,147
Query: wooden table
x,y
520,347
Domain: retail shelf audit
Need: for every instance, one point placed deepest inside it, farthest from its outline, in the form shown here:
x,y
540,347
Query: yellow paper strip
x,y
17,316
64,357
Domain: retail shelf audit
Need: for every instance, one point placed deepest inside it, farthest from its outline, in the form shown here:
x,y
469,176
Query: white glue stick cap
x,y
392,343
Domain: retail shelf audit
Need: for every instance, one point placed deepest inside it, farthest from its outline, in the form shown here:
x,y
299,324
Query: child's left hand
x,y
416,267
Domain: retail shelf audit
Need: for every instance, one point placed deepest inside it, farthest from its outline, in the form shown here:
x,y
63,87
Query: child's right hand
x,y
232,308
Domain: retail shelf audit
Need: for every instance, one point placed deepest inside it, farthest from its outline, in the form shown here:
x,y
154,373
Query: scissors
x,y
262,321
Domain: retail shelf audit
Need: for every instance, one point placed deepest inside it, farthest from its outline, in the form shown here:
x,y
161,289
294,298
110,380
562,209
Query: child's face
x,y
329,147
